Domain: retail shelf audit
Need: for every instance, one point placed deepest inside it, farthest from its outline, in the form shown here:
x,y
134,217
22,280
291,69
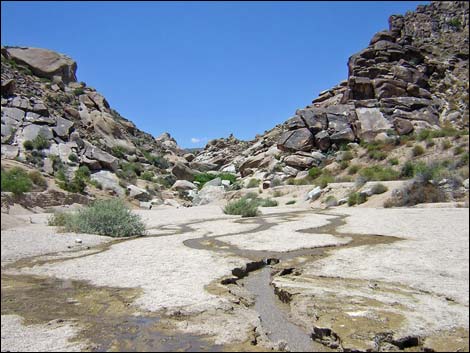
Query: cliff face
x,y
412,76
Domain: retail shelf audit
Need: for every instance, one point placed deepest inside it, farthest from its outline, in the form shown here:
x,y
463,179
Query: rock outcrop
x,y
411,76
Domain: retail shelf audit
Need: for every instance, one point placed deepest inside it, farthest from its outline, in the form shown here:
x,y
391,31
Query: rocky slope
x,y
411,77
52,122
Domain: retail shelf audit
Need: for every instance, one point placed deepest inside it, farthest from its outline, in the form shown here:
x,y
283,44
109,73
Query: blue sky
x,y
203,70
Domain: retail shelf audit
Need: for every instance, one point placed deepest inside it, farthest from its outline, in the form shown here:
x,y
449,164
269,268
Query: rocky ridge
x,y
411,77
50,121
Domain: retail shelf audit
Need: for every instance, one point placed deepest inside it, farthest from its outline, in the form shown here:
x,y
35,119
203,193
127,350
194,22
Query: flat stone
x,y
13,113
9,151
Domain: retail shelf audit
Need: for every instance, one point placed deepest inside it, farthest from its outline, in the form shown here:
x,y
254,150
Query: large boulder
x,y
297,140
258,161
62,128
372,122
45,63
138,193
299,161
104,158
109,181
32,131
182,172
183,185
209,194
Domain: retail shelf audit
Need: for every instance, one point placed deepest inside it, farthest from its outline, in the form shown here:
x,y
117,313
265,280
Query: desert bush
x,y
314,172
244,207
157,161
277,193
393,161
267,203
379,173
377,155
458,150
104,217
353,169
59,219
446,144
343,164
228,176
203,178
28,145
324,179
291,202
37,179
73,158
253,183
15,180
379,189
41,143
331,201
417,192
356,198
147,175
418,150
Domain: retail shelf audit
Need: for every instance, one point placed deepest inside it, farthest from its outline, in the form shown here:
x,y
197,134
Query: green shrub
x,y
446,144
343,164
458,150
314,172
379,173
78,91
105,217
356,198
244,207
418,150
28,145
253,183
408,170
417,192
353,169
59,219
379,189
157,161
228,176
73,158
393,161
119,151
147,175
324,179
455,22
15,180
377,155
37,179
40,143
267,203
331,201
291,202
276,182
277,193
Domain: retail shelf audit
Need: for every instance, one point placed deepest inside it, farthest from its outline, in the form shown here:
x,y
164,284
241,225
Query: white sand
x,y
434,257
287,236
52,337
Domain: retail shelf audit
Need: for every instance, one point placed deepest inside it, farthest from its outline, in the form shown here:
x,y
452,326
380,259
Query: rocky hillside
x,y
411,77
52,122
